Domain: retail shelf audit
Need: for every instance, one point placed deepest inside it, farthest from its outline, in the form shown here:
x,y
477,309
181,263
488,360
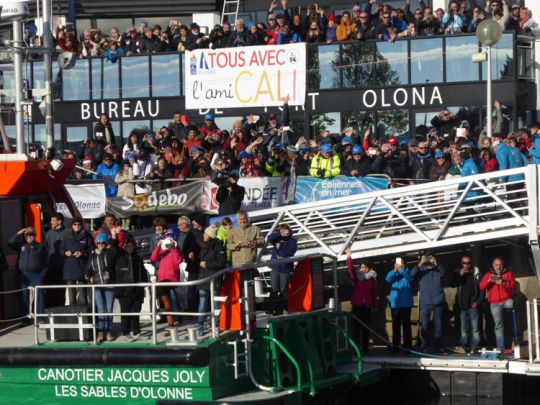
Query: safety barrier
x,y
153,286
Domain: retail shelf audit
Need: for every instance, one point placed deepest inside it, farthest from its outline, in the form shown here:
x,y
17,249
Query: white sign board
x,y
251,76
263,192
88,198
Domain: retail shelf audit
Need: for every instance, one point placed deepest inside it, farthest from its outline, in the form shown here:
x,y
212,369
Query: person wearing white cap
x,y
213,259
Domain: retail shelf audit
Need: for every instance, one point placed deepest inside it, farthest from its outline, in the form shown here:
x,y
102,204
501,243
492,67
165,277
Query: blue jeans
x,y
425,312
280,282
498,320
104,303
469,317
204,303
30,279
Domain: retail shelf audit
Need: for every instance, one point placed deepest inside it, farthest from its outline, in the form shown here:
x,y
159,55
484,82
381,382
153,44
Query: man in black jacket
x,y
76,248
130,270
230,195
468,298
31,262
188,245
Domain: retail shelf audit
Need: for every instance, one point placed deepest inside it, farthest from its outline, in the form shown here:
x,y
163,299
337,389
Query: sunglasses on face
x,y
465,262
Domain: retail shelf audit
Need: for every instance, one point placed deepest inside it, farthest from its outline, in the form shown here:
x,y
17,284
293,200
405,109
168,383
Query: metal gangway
x,y
496,205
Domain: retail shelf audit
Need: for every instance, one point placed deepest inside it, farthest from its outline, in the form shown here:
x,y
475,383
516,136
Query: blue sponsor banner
x,y
309,189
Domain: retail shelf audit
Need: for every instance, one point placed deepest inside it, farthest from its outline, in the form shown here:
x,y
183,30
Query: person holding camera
x,y
284,245
499,284
401,302
432,298
230,195
325,164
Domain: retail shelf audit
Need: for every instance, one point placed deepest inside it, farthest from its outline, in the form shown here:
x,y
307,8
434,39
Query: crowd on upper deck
x,y
312,24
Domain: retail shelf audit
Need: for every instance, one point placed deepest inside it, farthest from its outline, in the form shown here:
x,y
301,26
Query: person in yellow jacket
x,y
325,164
345,29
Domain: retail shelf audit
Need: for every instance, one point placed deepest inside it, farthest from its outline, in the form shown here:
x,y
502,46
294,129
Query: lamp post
x,y
489,32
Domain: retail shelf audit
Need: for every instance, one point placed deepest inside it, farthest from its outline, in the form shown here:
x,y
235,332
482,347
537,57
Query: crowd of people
x,y
190,250
312,24
263,146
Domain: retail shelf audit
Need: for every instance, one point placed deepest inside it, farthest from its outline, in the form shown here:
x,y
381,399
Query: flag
x,y
72,14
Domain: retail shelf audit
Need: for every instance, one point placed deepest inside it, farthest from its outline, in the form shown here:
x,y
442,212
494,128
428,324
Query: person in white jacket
x,y
141,170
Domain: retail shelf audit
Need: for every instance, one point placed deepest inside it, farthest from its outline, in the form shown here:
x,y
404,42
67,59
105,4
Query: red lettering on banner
x,y
280,57
211,55
253,61
222,60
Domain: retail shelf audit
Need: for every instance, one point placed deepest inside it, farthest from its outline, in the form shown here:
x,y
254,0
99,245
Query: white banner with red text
x,y
252,76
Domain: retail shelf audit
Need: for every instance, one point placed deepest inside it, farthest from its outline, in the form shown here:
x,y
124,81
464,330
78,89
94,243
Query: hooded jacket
x,y
101,267
400,288
130,269
364,286
213,253
108,171
169,263
287,248
498,293
76,242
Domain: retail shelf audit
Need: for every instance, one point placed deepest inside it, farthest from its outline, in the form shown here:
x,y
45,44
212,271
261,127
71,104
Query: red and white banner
x,y
251,76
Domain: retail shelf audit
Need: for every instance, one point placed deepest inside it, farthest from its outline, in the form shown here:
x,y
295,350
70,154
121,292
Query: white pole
x,y
489,106
18,66
47,63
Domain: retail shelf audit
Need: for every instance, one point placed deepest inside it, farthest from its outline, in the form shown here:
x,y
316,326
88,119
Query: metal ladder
x,y
230,8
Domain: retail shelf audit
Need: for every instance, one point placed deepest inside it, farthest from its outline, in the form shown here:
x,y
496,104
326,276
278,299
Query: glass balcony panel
x,y
459,65
135,77
165,75
357,63
426,61
76,81
390,64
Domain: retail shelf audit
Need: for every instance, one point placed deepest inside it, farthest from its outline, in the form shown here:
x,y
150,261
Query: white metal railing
x,y
533,331
417,217
36,290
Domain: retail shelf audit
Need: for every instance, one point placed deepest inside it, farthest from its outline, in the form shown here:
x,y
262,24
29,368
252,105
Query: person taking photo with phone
x,y
401,302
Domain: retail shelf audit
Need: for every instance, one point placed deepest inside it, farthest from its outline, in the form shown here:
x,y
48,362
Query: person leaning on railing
x,y
100,270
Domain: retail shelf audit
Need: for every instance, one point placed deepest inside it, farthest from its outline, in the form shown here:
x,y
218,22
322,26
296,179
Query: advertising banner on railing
x,y
182,200
309,189
251,76
88,198
261,193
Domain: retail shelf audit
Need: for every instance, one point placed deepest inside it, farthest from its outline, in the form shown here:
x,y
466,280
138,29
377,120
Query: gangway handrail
x,y
355,348
359,198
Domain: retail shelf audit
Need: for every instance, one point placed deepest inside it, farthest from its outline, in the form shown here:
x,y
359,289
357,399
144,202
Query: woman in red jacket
x,y
364,299
499,282
169,259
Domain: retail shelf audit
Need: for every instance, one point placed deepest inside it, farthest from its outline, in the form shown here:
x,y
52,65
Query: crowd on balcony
x,y
264,146
314,24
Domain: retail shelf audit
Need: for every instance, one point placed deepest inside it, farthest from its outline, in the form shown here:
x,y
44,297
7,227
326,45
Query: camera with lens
x,y
320,172
222,177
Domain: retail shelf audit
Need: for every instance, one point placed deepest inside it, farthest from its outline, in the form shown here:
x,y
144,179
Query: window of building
x,y
135,80
426,61
165,75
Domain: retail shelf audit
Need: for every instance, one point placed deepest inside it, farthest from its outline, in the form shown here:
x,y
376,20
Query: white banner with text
x,y
252,76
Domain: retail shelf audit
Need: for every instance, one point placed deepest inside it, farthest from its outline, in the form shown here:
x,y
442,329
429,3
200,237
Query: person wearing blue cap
x,y
209,125
325,164
357,165
100,270
439,169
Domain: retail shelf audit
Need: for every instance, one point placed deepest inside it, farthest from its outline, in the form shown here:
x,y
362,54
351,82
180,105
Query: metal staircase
x,y
230,9
494,205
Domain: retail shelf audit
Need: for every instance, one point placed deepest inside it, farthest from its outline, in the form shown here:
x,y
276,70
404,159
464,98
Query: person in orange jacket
x,y
499,284
345,30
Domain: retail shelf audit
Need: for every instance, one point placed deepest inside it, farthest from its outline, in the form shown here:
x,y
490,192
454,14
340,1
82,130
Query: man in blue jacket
x,y
108,171
401,302
284,246
535,151
432,298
